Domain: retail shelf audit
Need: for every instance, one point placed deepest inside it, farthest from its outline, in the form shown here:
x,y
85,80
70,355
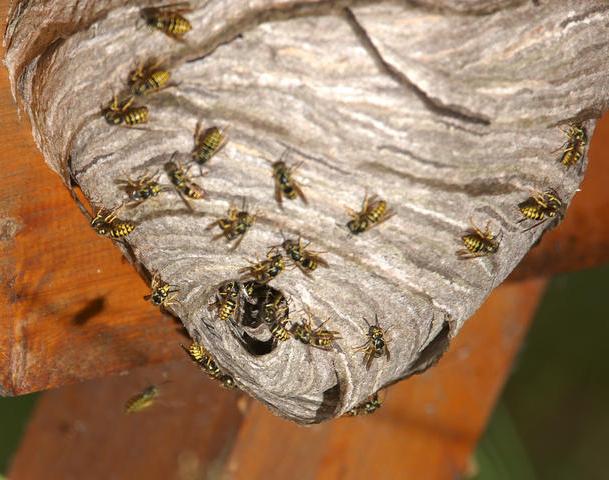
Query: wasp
x,y
199,354
148,78
285,185
207,144
374,211
168,19
371,405
163,294
142,400
186,188
540,207
142,189
109,225
235,225
229,296
275,313
118,112
573,148
376,345
265,270
304,259
478,243
317,337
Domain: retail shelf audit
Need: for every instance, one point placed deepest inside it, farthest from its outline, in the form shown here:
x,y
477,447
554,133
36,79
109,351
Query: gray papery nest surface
x,y
447,109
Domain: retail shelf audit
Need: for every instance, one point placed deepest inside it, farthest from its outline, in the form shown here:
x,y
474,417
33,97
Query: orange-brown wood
x,y
81,431
428,425
72,309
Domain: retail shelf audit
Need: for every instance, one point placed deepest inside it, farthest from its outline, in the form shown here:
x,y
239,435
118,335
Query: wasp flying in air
x,y
142,189
371,405
109,225
208,143
540,207
142,400
317,337
478,243
376,345
123,111
234,226
199,354
186,188
265,270
306,260
285,185
573,148
374,211
148,78
163,294
168,19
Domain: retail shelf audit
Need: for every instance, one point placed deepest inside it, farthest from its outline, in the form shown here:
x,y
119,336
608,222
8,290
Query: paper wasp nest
x,y
446,109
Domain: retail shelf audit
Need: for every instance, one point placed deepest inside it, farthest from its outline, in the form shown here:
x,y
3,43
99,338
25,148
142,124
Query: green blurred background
x,y
552,421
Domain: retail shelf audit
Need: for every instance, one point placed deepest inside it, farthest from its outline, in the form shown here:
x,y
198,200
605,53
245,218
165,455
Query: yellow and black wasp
x,y
123,111
142,400
275,313
163,294
285,185
478,243
376,345
199,354
541,206
234,226
573,149
148,78
184,185
317,337
208,143
371,405
374,211
306,260
142,189
168,19
265,270
228,299
109,225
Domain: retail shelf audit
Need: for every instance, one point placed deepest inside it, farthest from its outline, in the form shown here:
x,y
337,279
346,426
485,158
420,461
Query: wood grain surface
x,y
427,428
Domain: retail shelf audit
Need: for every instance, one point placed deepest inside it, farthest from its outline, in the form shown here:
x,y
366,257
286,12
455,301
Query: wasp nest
x,y
447,114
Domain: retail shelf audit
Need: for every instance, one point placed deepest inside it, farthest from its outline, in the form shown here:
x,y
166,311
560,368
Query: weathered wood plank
x,y
82,431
